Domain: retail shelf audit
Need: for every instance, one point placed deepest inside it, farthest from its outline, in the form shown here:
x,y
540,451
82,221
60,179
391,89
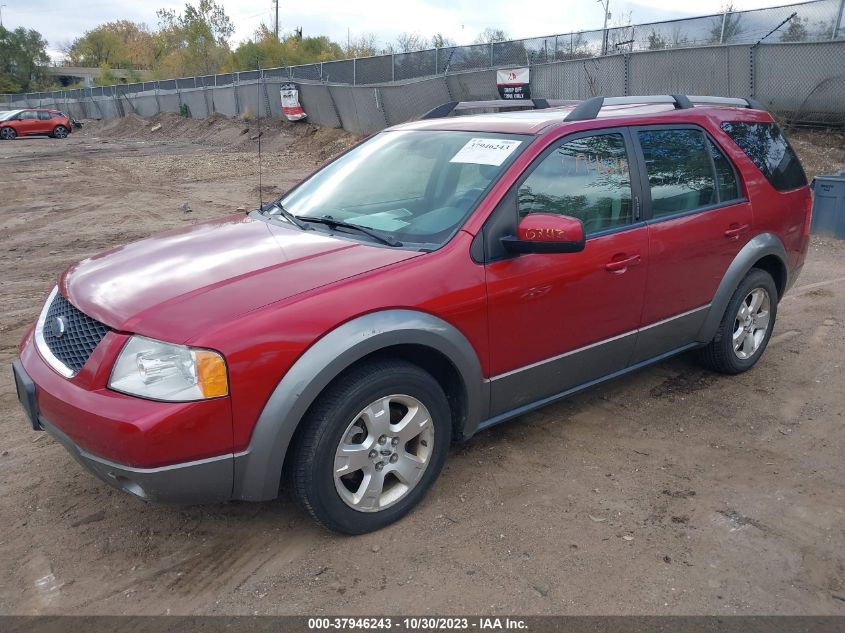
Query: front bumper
x,y
200,481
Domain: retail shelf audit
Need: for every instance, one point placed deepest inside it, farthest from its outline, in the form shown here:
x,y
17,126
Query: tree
x,y
22,54
290,50
656,41
490,36
120,44
796,31
407,42
438,40
106,76
727,27
364,45
194,42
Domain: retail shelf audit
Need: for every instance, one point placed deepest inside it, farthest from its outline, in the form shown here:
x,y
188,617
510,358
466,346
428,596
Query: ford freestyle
x,y
440,277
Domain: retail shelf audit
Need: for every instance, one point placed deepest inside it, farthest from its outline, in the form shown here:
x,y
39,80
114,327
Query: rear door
x,y
698,219
45,122
561,320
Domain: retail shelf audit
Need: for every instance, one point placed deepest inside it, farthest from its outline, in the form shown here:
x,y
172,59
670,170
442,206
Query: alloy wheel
x,y
383,453
752,323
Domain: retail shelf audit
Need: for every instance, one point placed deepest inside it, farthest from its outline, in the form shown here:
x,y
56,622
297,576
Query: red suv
x,y
16,123
440,277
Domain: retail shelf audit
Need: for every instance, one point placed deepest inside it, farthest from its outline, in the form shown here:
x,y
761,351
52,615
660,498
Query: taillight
x,y
808,215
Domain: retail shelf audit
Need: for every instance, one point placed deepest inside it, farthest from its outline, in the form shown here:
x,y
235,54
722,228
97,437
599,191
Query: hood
x,y
174,285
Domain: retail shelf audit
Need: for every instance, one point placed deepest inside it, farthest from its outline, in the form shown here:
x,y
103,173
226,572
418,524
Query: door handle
x,y
736,230
619,266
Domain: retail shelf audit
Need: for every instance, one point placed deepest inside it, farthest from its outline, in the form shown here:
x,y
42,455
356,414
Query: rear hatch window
x,y
768,148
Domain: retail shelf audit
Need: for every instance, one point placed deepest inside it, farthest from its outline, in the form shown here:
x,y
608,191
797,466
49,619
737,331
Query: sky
x,y
60,21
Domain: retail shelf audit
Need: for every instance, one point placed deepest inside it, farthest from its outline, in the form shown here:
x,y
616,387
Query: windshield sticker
x,y
485,151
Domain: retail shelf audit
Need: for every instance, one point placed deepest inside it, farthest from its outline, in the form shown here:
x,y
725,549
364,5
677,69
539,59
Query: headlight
x,y
163,371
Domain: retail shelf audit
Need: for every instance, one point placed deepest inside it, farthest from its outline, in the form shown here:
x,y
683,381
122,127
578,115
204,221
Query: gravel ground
x,y
671,491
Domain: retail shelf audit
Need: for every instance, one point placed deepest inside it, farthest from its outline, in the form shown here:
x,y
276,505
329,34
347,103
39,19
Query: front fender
x,y
258,470
757,248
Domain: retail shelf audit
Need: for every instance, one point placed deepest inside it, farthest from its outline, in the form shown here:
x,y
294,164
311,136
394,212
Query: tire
x,y
745,323
342,429
8,133
60,131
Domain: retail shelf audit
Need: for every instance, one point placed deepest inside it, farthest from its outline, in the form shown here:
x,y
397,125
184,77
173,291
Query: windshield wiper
x,y
287,215
331,222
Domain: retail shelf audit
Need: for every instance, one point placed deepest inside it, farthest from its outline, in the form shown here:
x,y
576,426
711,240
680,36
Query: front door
x,y
698,220
561,320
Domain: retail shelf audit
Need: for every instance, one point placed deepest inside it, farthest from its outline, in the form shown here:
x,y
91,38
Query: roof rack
x,y
590,109
446,109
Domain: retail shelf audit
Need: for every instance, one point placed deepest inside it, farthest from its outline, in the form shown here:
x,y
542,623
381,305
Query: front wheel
x,y
746,326
8,133
60,131
370,447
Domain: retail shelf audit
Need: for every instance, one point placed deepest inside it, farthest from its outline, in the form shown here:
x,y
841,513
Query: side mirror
x,y
546,233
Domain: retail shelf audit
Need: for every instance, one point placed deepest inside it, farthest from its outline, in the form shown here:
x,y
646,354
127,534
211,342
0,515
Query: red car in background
x,y
32,122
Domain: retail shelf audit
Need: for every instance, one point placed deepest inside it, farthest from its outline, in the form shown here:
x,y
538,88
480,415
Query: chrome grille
x,y
73,342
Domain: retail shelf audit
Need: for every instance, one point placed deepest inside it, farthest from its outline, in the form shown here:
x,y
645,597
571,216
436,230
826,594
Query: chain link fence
x,y
816,21
790,58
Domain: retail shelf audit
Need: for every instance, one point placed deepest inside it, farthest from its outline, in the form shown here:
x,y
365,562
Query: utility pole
x,y
606,6
276,2
1,14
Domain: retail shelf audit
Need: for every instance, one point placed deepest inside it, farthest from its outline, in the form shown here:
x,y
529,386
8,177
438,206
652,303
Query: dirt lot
x,y
671,491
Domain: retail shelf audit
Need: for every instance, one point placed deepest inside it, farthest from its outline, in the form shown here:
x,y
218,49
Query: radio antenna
x,y
258,101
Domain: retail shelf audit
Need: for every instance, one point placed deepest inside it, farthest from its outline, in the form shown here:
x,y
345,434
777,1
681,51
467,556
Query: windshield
x,y
416,186
5,116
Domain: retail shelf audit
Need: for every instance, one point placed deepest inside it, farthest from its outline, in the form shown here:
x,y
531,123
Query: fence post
x,y
491,54
753,72
436,61
354,71
838,20
722,34
158,103
392,67
627,62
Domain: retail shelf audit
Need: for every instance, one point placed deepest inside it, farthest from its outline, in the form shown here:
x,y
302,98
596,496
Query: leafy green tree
x,y
22,54
194,42
120,44
288,51
106,76
656,41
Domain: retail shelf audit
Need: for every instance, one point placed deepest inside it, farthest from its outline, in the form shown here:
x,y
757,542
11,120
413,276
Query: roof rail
x,y
590,109
446,109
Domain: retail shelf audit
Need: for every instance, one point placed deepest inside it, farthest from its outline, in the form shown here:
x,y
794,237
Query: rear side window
x,y
725,174
44,116
767,148
680,174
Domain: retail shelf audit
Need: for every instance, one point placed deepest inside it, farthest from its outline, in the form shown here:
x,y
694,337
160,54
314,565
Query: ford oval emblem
x,y
58,327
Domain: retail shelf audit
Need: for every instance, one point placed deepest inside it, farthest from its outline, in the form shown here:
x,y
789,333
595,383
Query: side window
x,y
725,174
587,178
680,174
44,116
767,148
28,115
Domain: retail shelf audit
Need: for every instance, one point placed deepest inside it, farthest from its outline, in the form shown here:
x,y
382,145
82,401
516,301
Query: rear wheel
x,y
746,326
370,447
8,133
60,132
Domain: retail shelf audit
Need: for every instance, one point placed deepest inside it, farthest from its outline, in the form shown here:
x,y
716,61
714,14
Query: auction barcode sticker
x,y
485,151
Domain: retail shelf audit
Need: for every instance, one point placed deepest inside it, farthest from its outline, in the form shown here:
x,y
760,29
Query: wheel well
x,y
774,266
437,365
